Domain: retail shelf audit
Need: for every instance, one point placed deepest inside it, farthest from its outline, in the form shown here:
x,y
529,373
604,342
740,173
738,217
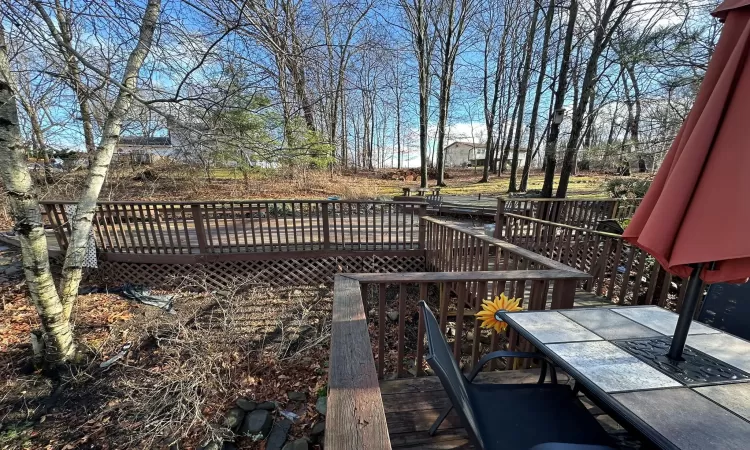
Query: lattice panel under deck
x,y
285,272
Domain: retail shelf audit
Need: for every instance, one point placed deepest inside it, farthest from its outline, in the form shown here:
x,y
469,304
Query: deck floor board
x,y
413,404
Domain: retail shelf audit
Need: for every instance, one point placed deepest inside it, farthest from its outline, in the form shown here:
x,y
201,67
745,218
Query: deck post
x,y
57,225
563,294
499,218
422,226
200,231
613,211
326,227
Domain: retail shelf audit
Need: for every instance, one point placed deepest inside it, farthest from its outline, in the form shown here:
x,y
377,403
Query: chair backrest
x,y
727,307
440,358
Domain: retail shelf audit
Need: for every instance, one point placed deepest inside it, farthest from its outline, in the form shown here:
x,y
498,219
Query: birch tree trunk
x,y
86,205
24,207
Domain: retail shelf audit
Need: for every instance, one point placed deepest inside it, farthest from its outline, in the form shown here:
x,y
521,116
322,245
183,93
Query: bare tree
x,y
549,17
450,24
492,79
55,309
550,151
422,43
605,27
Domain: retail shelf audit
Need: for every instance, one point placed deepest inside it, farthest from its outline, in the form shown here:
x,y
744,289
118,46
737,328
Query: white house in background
x,y
145,149
464,154
469,154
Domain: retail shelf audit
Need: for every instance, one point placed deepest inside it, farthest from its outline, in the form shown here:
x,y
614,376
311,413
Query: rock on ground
x,y
268,406
212,445
299,444
318,429
322,405
297,396
247,405
278,434
233,418
258,421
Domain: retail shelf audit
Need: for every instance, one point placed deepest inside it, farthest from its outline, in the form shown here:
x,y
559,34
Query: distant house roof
x,y
470,144
145,140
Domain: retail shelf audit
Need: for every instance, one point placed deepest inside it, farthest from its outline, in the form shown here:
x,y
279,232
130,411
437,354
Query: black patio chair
x,y
511,416
727,307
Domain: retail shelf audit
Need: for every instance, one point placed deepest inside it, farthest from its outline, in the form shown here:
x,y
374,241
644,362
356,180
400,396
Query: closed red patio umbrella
x,y
695,217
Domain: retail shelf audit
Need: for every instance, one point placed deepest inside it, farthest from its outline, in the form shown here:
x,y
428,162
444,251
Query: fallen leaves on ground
x,y
260,345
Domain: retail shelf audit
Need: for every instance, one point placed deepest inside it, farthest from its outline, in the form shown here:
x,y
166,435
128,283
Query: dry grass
x,y
187,183
182,373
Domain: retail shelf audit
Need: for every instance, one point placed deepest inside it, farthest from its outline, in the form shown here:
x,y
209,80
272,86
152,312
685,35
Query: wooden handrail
x,y
488,275
229,202
568,199
620,271
356,417
563,225
248,227
504,245
583,212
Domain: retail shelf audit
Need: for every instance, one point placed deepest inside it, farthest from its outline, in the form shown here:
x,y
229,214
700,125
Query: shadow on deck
x,y
413,404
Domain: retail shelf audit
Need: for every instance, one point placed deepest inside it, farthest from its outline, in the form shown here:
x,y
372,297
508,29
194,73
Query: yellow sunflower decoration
x,y
490,307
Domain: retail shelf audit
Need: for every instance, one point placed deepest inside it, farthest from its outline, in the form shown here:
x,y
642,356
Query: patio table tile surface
x,y
734,397
611,368
687,419
732,350
553,327
609,324
660,320
714,416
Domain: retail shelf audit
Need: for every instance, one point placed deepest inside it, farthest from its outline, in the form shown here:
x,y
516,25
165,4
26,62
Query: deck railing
x,y
355,418
622,272
468,268
391,299
584,213
393,326
191,228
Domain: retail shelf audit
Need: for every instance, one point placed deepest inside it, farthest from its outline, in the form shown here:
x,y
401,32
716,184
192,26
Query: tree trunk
x,y
550,150
24,208
423,59
522,88
86,205
74,77
398,126
344,133
634,123
538,94
491,105
590,121
444,98
601,40
508,139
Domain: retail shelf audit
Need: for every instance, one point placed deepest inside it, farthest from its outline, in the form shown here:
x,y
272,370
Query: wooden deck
x,y
413,404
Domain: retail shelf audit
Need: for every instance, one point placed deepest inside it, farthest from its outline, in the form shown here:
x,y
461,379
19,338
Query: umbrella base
x,y
697,368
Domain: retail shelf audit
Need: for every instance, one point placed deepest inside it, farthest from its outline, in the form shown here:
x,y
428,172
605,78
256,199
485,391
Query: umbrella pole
x,y
686,315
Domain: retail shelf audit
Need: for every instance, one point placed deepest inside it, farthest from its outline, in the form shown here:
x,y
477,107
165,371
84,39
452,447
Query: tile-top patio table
x,y
615,354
